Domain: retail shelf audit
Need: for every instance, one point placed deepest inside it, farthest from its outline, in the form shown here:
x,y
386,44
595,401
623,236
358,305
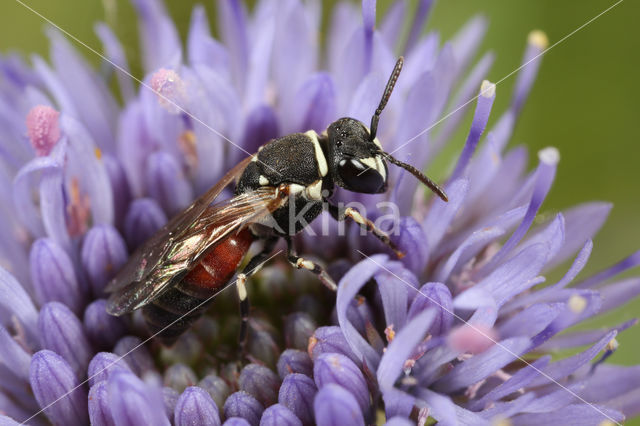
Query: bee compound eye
x,y
359,177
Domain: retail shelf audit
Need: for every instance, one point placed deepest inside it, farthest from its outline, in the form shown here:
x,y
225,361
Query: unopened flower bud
x,y
56,389
53,275
260,382
279,415
298,327
103,253
335,406
242,404
62,332
195,407
179,377
294,361
297,393
103,330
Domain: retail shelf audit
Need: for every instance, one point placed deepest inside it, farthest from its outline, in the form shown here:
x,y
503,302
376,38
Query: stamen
x,y
472,339
187,144
577,303
43,129
479,123
78,210
537,42
170,89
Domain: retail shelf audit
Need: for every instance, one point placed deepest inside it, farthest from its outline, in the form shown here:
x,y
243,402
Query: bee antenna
x,y
385,97
418,174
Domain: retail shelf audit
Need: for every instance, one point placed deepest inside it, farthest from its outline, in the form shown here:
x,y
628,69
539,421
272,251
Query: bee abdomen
x,y
176,309
171,314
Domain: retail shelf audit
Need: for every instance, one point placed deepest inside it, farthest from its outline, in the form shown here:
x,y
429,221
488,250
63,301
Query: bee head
x,y
357,160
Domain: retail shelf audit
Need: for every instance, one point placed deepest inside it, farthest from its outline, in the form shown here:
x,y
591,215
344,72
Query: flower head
x,y
459,330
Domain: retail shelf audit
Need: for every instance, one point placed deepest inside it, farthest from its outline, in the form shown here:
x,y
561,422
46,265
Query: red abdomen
x,y
218,265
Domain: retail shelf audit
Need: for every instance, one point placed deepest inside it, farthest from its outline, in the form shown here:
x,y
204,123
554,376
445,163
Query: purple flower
x,y
241,404
195,407
334,406
458,331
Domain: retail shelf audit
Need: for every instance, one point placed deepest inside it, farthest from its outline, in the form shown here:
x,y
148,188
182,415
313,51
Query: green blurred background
x,y
585,101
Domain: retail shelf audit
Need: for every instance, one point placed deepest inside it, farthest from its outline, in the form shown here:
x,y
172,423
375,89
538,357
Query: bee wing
x,y
179,254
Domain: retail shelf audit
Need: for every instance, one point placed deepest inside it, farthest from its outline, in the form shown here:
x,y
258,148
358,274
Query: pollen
x,y
577,303
501,421
538,39
98,153
488,89
170,90
612,345
43,129
390,333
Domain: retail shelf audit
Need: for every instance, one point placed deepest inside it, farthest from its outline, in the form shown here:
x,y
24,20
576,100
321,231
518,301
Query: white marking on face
x,y
254,158
376,164
314,191
381,169
377,142
320,159
263,181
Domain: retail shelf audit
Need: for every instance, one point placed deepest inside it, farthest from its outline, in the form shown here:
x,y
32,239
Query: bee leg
x,y
341,213
251,268
302,263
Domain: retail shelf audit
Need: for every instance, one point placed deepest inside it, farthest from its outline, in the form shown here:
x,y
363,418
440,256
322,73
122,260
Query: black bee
x,y
196,254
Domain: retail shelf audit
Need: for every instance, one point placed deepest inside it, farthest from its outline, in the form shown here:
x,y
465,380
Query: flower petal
x,y
16,303
204,49
242,404
159,37
13,356
261,383
328,340
57,389
99,410
340,370
94,104
401,347
104,365
62,332
349,286
575,414
278,415
482,365
143,219
135,354
167,184
134,402
441,214
115,53
561,369
103,253
195,407
516,275
335,406
519,380
294,361
581,224
297,393
434,296
102,329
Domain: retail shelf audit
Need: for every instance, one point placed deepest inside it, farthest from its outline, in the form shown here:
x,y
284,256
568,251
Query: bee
x,y
174,274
